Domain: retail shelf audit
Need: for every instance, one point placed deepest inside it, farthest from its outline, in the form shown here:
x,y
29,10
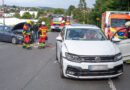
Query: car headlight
x,y
118,57
73,58
20,37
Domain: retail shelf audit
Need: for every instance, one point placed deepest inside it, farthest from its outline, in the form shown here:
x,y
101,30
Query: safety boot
x,y
28,46
43,45
40,45
24,45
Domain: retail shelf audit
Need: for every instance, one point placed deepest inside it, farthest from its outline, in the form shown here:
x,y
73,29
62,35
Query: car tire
x,y
61,69
14,40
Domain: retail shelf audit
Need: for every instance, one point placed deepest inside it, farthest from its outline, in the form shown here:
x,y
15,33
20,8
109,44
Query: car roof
x,y
82,26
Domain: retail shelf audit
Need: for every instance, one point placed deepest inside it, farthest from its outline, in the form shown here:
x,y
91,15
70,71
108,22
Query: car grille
x,y
84,72
98,59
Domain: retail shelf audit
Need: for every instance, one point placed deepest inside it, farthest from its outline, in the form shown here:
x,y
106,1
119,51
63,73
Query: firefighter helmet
x,y
28,22
43,23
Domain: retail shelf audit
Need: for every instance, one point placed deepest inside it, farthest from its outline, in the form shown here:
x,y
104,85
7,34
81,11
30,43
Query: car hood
x,y
91,47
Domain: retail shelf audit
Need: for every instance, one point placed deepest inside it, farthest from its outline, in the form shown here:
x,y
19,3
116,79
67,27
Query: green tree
x,y
17,15
77,15
59,11
33,15
83,10
70,10
27,15
40,12
47,21
82,4
51,10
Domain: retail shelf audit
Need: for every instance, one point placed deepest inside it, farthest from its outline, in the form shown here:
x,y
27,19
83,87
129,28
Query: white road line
x,y
111,84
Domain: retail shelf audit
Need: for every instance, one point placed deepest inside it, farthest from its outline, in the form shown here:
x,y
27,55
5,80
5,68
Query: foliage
x,y
17,15
33,15
47,21
70,9
77,15
80,12
82,4
51,10
40,12
26,15
59,11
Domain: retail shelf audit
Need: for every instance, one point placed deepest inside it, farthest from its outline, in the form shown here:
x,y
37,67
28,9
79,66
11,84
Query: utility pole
x,y
4,13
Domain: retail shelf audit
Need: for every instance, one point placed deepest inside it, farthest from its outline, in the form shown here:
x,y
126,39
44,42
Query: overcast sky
x,y
47,3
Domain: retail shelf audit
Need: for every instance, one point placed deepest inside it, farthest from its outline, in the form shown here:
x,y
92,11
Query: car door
x,y
7,34
59,42
124,46
1,33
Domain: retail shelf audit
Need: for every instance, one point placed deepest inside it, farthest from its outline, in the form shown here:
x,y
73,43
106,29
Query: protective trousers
x,y
26,41
42,40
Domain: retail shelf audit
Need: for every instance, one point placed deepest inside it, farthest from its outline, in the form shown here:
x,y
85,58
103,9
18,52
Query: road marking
x,y
111,84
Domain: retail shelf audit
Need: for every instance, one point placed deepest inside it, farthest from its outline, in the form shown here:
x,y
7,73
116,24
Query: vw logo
x,y
97,59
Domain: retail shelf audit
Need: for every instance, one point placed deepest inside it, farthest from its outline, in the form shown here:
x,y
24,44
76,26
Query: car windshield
x,y
118,22
59,19
85,34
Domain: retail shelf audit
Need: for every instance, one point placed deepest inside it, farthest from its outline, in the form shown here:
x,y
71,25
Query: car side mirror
x,y
127,24
115,39
59,38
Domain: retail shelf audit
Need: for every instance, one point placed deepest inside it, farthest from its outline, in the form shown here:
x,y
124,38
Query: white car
x,y
84,52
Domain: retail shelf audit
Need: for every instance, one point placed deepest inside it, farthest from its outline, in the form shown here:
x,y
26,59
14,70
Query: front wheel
x,y
61,68
14,40
56,52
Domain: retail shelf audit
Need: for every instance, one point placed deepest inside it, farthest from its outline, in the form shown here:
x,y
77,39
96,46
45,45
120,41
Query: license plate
x,y
97,67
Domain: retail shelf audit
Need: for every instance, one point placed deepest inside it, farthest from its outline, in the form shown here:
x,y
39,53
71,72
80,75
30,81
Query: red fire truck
x,y
57,23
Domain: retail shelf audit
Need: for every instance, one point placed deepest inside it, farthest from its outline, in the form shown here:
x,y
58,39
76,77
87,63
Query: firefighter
x,y
26,34
42,35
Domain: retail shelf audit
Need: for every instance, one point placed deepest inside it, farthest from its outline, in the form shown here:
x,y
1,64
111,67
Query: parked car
x,y
9,35
84,52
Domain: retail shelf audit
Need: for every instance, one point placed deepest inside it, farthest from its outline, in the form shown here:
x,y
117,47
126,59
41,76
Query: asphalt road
x,y
37,69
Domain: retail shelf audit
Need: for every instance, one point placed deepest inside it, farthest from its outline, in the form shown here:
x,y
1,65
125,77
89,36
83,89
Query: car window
x,y
1,28
118,22
84,34
6,28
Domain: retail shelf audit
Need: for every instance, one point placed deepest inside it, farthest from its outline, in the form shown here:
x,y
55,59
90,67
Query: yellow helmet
x,y
28,22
